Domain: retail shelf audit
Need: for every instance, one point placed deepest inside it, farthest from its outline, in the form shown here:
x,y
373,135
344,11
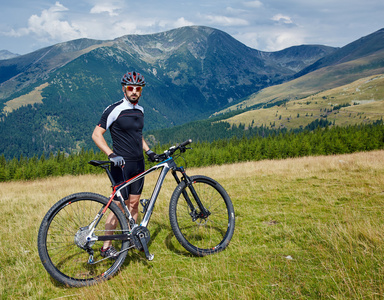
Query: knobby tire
x,y
63,259
202,236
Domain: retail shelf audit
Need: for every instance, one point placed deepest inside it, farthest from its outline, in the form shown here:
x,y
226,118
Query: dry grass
x,y
306,228
31,98
368,92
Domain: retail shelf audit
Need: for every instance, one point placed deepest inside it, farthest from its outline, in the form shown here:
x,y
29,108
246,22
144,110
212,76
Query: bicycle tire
x,y
63,259
204,236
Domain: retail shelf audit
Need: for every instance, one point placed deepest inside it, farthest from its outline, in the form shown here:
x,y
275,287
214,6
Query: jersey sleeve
x,y
103,121
110,114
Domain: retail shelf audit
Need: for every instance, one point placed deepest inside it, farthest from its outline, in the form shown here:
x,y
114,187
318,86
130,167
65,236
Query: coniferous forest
x,y
266,144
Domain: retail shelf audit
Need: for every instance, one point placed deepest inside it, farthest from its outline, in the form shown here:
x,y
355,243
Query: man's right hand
x,y
117,160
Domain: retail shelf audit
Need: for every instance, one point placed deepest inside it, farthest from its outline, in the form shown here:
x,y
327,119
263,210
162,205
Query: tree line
x,y
276,145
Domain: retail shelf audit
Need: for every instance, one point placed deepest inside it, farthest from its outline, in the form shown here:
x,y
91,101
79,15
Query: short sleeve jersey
x,y
125,122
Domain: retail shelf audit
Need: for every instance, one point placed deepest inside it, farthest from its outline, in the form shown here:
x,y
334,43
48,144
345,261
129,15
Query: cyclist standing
x,y
125,120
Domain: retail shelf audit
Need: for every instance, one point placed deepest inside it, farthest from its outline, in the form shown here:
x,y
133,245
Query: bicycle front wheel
x,y
202,234
64,248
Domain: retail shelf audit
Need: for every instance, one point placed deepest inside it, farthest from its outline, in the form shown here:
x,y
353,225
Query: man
x,y
125,120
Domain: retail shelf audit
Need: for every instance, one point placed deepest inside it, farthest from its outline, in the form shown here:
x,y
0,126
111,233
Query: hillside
x,y
328,77
363,47
360,102
358,60
5,54
52,98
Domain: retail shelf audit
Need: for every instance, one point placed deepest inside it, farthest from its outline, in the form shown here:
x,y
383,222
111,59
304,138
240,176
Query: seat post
x,y
106,168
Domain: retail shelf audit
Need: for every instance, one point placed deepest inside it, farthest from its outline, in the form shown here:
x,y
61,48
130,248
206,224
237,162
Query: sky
x,y
266,25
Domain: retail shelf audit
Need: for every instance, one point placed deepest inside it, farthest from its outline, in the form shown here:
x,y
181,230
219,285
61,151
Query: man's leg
x,y
133,205
111,222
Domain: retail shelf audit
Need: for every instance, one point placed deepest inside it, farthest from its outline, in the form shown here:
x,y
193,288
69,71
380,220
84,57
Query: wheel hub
x,y
82,239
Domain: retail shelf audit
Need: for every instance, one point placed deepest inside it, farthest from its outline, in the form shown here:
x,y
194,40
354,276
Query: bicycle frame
x,y
166,166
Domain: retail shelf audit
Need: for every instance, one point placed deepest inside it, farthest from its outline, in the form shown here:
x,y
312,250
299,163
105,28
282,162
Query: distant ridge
x,y
192,72
362,47
5,54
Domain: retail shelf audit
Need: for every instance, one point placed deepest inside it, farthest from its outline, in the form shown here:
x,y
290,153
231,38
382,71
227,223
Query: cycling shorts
x,y
131,169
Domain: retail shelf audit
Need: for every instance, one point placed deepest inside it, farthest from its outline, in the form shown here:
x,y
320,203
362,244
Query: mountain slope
x,y
368,60
25,70
5,54
296,58
364,46
359,102
191,73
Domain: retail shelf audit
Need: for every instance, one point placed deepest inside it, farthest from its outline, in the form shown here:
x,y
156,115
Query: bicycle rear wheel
x,y
63,248
202,235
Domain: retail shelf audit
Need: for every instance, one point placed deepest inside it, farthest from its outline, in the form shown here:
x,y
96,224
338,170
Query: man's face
x,y
132,92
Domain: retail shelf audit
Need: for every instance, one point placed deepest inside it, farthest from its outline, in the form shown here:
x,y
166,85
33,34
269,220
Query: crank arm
x,y
145,247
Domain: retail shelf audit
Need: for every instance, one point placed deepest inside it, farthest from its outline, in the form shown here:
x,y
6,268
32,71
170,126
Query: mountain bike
x,y
73,231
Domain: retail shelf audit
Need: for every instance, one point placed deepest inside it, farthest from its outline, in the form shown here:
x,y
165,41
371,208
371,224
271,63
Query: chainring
x,y
136,233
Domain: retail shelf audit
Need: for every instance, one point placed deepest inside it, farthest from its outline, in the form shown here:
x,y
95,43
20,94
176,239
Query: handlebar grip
x,y
187,142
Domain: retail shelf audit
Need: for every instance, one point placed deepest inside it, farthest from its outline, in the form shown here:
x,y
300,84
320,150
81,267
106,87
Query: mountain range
x,y
52,98
5,54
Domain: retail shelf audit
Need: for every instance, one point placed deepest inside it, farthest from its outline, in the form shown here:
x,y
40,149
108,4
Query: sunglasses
x,y
132,88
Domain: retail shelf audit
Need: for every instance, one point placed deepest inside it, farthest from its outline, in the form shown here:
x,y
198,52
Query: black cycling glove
x,y
117,160
151,155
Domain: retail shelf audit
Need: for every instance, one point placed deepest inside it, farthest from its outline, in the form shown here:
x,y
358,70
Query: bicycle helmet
x,y
133,78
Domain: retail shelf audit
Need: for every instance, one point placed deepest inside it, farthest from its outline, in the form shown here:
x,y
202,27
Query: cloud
x,y
273,38
224,20
235,11
48,26
181,22
253,4
105,7
279,40
282,19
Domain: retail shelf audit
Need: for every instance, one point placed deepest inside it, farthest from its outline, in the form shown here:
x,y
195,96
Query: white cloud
x,y
282,18
253,4
105,8
48,26
181,22
273,39
283,39
252,39
235,11
225,21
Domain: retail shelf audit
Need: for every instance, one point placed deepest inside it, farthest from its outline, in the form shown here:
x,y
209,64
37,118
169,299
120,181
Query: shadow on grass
x,y
139,256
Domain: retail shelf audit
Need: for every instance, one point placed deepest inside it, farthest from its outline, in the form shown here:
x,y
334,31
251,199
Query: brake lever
x,y
183,149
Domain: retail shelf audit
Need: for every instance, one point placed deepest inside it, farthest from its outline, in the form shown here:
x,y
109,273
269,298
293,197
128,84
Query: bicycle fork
x,y
204,213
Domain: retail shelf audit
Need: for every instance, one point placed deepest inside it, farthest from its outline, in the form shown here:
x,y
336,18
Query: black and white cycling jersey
x,y
125,122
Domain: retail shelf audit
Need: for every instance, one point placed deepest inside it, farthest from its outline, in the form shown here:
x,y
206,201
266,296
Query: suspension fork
x,y
204,213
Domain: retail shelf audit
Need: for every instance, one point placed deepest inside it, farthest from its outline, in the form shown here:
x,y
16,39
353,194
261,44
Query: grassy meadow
x,y
366,97
306,228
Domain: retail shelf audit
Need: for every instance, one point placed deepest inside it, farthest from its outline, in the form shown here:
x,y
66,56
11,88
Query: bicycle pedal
x,y
91,260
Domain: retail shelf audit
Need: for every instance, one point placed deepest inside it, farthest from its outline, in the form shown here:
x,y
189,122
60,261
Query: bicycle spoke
x,y
63,245
198,232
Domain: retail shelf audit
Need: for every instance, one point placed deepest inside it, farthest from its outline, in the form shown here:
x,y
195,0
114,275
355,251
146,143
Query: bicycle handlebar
x,y
168,153
187,142
159,157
